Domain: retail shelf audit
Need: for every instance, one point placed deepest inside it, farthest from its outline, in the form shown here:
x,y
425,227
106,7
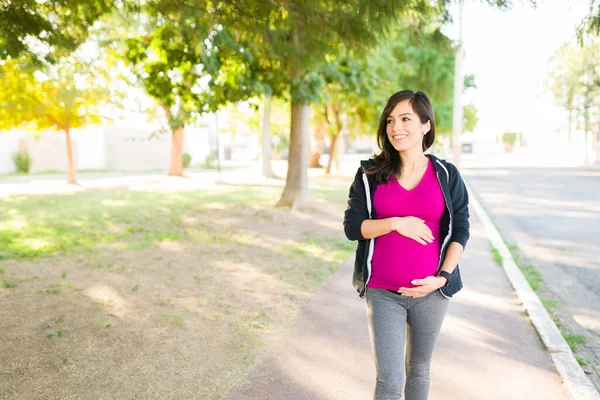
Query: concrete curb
x,y
576,382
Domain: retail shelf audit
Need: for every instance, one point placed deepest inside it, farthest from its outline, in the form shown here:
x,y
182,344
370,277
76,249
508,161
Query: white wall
x,y
49,152
90,147
196,144
8,146
130,148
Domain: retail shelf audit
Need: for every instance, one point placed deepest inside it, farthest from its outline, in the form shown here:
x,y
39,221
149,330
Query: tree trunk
x,y
333,151
266,140
339,151
570,106
176,165
459,80
70,162
586,122
317,144
295,193
598,146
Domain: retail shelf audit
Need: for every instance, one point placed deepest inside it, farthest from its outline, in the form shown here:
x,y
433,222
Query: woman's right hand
x,y
414,228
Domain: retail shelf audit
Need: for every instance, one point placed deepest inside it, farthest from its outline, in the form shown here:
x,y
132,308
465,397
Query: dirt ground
x,y
177,320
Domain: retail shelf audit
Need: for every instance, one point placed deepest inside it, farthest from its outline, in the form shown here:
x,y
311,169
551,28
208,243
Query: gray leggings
x,y
388,315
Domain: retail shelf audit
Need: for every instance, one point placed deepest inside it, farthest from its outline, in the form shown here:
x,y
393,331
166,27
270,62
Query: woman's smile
x,y
399,137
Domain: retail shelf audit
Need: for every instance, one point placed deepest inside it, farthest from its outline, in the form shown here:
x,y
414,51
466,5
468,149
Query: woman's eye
x,y
389,120
405,119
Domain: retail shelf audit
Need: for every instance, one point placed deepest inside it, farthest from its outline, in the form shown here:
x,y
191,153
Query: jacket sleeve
x,y
356,212
460,207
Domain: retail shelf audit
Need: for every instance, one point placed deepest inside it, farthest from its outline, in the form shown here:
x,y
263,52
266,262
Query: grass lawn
x,y
135,294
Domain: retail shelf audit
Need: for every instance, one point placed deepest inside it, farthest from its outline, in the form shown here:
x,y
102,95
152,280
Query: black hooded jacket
x,y
454,224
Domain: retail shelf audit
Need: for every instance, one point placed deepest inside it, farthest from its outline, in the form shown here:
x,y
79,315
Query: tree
x,y
350,84
271,47
189,63
290,38
169,63
574,80
46,30
429,66
563,80
63,97
355,87
590,25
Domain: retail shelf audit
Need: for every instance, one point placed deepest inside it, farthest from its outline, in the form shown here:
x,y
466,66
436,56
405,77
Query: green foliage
x,y
497,256
574,340
298,43
469,82
431,69
56,96
187,160
92,220
358,88
283,142
510,137
531,272
9,283
187,61
590,25
533,276
550,305
470,118
46,30
574,80
22,162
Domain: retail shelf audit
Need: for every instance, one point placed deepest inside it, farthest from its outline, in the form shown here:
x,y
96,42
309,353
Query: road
x,y
553,216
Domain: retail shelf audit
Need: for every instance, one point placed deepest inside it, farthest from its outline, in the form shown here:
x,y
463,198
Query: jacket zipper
x,y
448,235
371,243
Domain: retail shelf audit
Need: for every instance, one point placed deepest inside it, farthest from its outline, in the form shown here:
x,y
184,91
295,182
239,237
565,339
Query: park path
x,y
487,349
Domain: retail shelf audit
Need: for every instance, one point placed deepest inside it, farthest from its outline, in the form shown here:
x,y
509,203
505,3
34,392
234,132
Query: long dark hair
x,y
388,162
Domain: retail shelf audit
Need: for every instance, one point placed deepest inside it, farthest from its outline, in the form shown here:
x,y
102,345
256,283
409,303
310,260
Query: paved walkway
x,y
52,184
487,349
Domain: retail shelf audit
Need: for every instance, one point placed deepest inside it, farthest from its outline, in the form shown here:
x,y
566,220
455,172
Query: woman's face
x,y
404,129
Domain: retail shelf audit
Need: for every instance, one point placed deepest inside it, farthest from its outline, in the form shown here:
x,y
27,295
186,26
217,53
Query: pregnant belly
x,y
397,260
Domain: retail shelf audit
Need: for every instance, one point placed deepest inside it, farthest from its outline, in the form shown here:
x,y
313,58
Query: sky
x,y
508,51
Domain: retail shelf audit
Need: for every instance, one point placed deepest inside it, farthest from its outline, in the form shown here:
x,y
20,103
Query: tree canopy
x,y
47,29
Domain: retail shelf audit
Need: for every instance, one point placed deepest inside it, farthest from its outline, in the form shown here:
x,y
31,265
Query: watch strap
x,y
446,275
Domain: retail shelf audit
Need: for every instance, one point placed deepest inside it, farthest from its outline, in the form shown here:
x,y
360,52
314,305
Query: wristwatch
x,y
446,275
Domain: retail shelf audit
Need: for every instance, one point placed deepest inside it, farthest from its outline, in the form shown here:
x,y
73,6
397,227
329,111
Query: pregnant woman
x,y
409,213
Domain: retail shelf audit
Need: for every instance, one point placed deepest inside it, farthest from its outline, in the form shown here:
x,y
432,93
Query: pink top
x,y
397,259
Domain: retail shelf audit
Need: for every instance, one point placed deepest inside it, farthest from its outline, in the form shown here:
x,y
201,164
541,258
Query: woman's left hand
x,y
423,286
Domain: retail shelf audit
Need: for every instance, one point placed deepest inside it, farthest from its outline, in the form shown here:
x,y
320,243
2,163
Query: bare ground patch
x,y
179,319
